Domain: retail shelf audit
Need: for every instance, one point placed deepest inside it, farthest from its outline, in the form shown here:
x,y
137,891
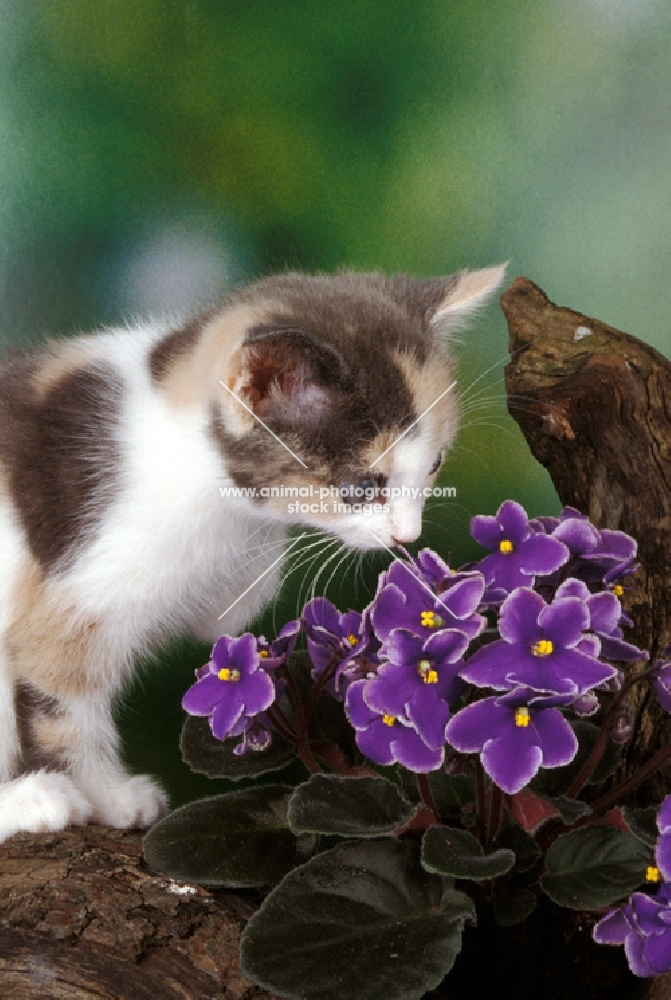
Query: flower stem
x,y
480,800
494,813
281,723
630,784
426,793
323,679
598,748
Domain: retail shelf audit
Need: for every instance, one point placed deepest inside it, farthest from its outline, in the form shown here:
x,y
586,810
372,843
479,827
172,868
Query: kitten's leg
x,y
89,748
42,802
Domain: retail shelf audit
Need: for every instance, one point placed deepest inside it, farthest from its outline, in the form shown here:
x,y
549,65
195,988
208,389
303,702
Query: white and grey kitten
x,y
113,532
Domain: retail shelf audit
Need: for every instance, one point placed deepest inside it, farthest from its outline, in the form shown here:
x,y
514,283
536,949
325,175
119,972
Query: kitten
x,y
113,531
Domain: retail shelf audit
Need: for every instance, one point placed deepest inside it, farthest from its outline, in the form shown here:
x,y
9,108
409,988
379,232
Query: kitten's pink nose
x,y
405,541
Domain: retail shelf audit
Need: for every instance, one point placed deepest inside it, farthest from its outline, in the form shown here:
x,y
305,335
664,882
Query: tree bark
x,y
82,917
594,405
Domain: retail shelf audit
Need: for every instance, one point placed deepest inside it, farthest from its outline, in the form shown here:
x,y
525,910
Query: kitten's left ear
x,y
464,294
284,376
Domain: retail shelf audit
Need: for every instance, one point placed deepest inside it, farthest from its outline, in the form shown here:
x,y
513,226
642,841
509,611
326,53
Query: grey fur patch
x,y
174,345
60,452
29,704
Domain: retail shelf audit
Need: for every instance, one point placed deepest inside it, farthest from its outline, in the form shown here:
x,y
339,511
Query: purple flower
x,y
661,679
274,654
643,926
537,648
349,637
663,849
405,600
519,553
420,681
233,689
605,616
515,734
385,738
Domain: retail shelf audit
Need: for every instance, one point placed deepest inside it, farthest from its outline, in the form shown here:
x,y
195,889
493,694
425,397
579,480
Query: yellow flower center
x,y
352,639
522,717
618,589
542,648
389,720
263,653
653,874
506,547
228,675
428,675
431,620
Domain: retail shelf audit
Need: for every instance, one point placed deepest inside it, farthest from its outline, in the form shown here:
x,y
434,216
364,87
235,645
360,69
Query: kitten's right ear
x,y
465,293
283,376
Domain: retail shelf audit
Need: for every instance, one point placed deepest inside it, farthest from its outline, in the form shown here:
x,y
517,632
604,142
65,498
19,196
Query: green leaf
x,y
512,903
594,867
241,839
206,755
527,852
570,810
456,853
643,824
351,807
361,922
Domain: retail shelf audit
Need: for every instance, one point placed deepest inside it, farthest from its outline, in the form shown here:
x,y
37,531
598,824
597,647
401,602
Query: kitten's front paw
x,y
135,802
43,802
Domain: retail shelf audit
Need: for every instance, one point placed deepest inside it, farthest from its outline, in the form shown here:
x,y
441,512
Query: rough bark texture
x,y
594,405
82,916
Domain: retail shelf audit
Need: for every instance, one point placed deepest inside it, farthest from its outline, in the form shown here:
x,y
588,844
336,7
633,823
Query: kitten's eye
x,y
358,487
437,464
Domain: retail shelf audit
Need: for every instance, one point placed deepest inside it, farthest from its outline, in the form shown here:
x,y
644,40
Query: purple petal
x,y
513,520
205,694
619,544
511,760
557,740
429,715
634,950
392,688
519,616
657,952
584,671
321,612
257,692
604,612
613,648
448,645
225,716
573,588
469,729
578,534
663,855
564,621
541,554
404,646
614,928
491,665
411,751
375,743
463,598
486,531
358,712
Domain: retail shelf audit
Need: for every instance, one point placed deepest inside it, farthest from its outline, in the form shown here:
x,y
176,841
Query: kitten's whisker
x,y
346,555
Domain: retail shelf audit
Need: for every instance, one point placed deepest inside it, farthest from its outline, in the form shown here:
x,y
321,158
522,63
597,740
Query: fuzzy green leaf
x,y
239,840
513,903
350,807
361,922
527,851
594,867
206,755
458,854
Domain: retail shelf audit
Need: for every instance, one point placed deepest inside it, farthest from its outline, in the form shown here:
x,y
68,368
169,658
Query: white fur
x,y
41,803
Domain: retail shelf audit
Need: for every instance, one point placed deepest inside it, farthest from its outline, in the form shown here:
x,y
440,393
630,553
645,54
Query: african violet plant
x,y
446,738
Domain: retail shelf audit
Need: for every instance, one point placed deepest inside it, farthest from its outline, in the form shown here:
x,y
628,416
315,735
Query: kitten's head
x,y
327,384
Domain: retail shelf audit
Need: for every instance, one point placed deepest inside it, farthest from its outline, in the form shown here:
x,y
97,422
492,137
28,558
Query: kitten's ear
x,y
283,376
463,294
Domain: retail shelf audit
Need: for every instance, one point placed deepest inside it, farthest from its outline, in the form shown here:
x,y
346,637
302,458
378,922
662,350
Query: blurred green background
x,y
154,153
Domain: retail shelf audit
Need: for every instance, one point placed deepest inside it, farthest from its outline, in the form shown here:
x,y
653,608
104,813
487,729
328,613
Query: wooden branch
x,y
83,917
594,405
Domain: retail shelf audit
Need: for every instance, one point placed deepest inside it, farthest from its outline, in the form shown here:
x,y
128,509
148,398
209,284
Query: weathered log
x,y
594,405
83,917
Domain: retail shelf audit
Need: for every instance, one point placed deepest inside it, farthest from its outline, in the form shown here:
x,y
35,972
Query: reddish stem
x,y
426,793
